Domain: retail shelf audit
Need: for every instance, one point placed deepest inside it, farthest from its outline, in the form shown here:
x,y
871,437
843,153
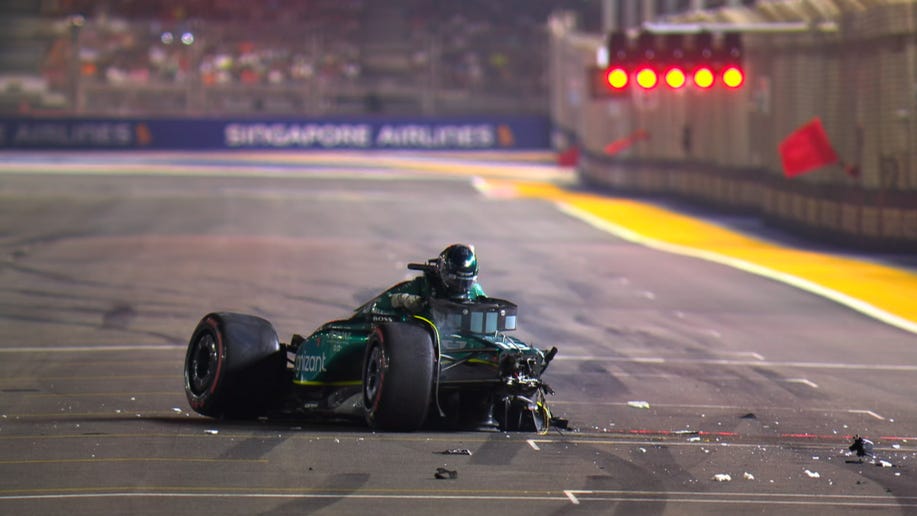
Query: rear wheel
x,y
234,366
398,377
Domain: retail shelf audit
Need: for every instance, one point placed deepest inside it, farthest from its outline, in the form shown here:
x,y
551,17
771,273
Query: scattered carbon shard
x,y
445,474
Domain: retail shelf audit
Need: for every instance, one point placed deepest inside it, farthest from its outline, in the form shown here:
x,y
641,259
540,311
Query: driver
x,y
457,271
453,275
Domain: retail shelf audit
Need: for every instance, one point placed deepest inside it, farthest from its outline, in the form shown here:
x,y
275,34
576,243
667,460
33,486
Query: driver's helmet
x,y
458,269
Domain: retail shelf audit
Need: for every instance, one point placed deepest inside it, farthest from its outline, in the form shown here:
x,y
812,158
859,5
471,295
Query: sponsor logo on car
x,y
311,363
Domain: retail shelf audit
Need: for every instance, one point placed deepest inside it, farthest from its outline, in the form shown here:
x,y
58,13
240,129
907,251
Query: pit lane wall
x,y
500,133
721,147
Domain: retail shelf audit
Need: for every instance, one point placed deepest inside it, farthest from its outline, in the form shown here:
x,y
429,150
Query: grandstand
x,y
276,57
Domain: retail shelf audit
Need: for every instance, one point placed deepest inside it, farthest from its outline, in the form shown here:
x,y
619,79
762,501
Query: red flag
x,y
619,145
806,149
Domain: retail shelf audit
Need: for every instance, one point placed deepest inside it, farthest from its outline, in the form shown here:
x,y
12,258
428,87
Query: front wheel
x,y
398,377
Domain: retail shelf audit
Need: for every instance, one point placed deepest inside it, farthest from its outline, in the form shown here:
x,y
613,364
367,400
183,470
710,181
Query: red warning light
x,y
647,78
733,77
675,78
617,78
703,77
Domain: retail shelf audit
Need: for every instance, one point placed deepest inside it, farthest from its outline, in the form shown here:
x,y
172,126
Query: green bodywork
x,y
469,336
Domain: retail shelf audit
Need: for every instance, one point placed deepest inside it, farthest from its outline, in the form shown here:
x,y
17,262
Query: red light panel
x,y
675,78
647,78
733,77
617,78
703,77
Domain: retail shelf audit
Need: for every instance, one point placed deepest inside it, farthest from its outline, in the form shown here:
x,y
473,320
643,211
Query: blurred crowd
x,y
220,41
473,45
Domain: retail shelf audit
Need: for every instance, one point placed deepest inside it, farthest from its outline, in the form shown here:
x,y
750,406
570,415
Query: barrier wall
x,y
719,147
500,133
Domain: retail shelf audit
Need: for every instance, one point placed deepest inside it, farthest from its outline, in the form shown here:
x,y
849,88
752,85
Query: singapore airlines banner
x,y
510,133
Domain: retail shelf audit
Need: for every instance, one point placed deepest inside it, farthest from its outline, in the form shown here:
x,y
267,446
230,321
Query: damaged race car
x,y
429,351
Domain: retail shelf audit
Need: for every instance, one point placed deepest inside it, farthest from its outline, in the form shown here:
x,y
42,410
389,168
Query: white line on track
x,y
87,349
752,354
908,368
642,351
868,413
810,499
803,381
717,407
572,497
340,496
629,442
753,268
576,497
647,360
203,170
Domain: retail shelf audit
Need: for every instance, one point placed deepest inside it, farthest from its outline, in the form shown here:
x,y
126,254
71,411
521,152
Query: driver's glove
x,y
409,302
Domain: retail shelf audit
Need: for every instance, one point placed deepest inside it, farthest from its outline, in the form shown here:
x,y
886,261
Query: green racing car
x,y
408,358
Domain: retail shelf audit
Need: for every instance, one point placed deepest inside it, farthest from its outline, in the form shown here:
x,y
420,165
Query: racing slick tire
x,y
234,366
398,377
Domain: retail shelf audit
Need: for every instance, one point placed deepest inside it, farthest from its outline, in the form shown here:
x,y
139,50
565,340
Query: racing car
x,y
442,363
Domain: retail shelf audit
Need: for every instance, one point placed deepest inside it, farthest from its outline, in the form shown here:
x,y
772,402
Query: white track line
x,y
905,368
803,381
868,413
87,349
339,496
809,499
573,496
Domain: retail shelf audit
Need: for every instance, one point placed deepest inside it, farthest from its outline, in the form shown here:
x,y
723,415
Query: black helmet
x,y
458,269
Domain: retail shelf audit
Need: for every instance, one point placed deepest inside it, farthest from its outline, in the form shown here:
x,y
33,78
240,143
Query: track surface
x,y
108,261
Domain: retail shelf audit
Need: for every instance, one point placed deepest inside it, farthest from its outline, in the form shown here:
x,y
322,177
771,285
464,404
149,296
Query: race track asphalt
x,y
702,368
